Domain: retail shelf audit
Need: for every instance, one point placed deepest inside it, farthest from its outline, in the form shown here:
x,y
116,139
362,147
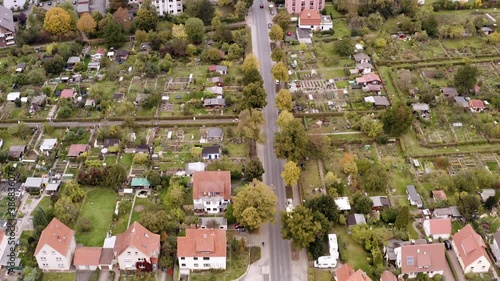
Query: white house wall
x,y
128,259
201,263
49,259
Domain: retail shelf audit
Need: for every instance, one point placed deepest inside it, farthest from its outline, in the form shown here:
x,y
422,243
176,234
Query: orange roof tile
x,y
344,272
310,17
476,103
56,235
423,258
76,149
470,245
359,275
388,276
205,182
439,195
202,243
140,238
440,226
87,256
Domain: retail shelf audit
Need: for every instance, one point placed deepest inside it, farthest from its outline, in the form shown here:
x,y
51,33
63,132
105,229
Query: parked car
x,y
269,25
272,12
262,5
49,3
288,33
447,244
239,227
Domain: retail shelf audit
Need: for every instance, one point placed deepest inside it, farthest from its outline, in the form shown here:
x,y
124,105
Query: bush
x,y
84,225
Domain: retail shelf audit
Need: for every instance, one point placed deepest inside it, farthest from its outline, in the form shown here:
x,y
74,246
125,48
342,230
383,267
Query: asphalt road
x,y
280,250
200,122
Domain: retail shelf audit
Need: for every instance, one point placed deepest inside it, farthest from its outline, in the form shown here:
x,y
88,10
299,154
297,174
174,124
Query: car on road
x,y
277,82
269,25
447,244
49,3
272,12
239,227
262,5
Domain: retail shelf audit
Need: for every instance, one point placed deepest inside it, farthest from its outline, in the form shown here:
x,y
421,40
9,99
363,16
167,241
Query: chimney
x,y
418,251
205,235
425,253
213,233
308,15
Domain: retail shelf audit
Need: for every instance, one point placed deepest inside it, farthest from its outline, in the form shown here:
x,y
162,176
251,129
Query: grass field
x,y
126,160
99,207
322,275
356,256
52,276
310,179
45,203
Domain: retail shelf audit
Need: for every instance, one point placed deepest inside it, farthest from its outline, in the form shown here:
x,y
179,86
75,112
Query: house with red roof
x,y
68,94
309,19
137,248
76,150
388,276
347,273
471,251
428,259
438,228
476,105
87,258
211,191
370,78
56,246
439,195
202,249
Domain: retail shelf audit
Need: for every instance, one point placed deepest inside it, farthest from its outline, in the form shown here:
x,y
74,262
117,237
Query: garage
x,y
87,258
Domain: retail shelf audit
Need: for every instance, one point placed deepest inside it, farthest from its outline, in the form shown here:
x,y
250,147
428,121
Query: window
x,y
60,265
195,265
195,258
128,253
127,260
483,267
53,252
183,265
206,265
479,261
58,259
136,253
206,258
43,258
44,252
183,258
45,264
140,259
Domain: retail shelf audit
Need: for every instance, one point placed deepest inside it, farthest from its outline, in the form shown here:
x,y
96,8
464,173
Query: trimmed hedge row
x,y
330,114
203,117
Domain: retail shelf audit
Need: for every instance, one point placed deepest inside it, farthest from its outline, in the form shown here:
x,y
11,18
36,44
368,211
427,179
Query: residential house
x,y
87,258
361,58
437,228
195,167
310,19
439,195
414,197
347,273
110,143
76,150
34,183
373,89
370,78
215,134
137,248
495,247
13,96
221,69
296,6
163,8
16,152
355,219
55,248
20,67
99,54
212,223
471,251
388,276
68,94
140,183
7,26
202,249
449,212
94,66
211,191
449,92
83,7
121,56
476,105
48,145
364,68
461,102
211,152
429,259
343,203
380,203
214,103
378,101
72,61
487,193
38,102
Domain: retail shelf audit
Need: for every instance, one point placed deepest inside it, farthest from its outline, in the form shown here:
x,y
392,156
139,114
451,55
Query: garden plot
x,y
137,172
388,150
151,83
6,109
465,133
59,167
313,84
462,163
177,83
492,161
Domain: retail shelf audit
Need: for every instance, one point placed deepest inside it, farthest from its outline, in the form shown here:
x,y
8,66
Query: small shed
x,y
140,183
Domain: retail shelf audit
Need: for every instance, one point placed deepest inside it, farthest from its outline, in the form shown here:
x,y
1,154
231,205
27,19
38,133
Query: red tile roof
x,y
310,17
76,149
100,51
367,78
476,103
67,93
140,238
439,226
439,195
470,245
87,256
202,243
359,275
388,276
56,235
423,258
344,272
212,68
206,182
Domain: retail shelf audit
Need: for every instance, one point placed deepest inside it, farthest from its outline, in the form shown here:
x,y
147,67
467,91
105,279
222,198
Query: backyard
x,y
101,198
52,276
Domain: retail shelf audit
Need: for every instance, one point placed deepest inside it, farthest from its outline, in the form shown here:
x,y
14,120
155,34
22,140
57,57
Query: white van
x,y
325,262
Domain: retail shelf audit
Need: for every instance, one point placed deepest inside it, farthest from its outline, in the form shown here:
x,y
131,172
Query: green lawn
x,y
110,160
310,179
99,207
145,202
341,29
121,224
126,160
52,276
236,150
355,255
322,275
45,203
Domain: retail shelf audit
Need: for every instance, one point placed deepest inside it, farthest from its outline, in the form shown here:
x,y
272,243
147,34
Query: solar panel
x,y
409,260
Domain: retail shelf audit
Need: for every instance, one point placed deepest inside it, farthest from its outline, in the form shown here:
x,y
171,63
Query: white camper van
x,y
325,262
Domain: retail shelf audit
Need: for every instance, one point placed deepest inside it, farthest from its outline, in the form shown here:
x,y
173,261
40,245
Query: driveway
x,y
456,265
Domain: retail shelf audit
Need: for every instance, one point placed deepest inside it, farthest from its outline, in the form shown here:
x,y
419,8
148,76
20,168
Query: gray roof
x,y
361,56
355,219
73,59
215,149
361,66
214,102
449,91
6,19
486,29
303,33
219,221
451,211
461,101
420,107
380,201
17,148
32,182
381,101
221,68
215,132
412,192
38,99
82,7
195,167
111,142
487,193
